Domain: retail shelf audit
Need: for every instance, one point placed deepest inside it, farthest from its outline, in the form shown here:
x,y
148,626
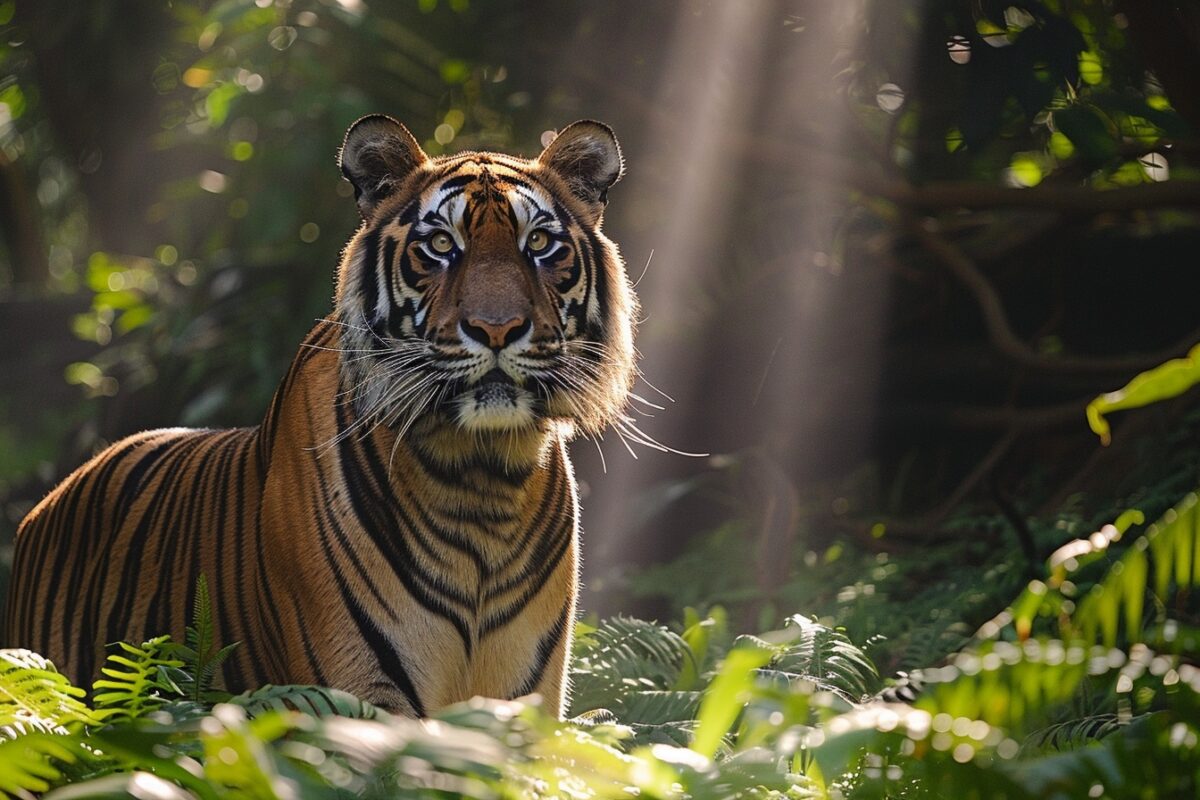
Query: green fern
x,y
1136,590
199,654
624,656
140,680
315,701
34,696
1073,733
806,650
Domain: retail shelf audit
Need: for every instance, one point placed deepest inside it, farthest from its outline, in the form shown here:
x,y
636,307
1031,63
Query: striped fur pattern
x,y
403,524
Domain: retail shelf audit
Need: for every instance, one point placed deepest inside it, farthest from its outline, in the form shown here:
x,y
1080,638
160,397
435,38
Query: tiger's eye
x,y
441,242
537,241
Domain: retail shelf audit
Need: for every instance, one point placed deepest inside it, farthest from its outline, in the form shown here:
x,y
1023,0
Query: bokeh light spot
x,y
959,49
282,38
889,97
197,77
1155,165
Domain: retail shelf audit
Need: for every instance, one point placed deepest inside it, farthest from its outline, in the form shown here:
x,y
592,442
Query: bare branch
x,y
1000,332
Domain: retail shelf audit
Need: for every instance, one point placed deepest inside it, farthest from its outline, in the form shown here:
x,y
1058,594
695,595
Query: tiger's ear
x,y
377,155
587,156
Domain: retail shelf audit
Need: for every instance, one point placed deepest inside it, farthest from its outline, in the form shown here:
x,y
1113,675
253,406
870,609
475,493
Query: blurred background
x,y
887,251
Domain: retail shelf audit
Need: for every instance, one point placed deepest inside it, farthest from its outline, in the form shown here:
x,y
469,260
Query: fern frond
x,y
199,654
140,680
34,696
317,701
621,657
1073,733
660,707
1159,564
806,650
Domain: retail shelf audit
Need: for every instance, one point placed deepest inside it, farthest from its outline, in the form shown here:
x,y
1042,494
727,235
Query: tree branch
x,y
1000,332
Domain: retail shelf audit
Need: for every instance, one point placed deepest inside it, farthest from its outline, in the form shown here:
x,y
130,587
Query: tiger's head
x,y
480,286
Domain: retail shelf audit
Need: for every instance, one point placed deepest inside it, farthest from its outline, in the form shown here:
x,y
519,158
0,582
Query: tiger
x,y
404,523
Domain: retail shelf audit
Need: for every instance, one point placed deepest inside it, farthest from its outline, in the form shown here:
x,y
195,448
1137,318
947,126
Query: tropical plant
x,y
1052,698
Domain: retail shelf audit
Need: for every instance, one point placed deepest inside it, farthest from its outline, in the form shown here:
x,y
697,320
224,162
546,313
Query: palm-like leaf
x,y
1073,733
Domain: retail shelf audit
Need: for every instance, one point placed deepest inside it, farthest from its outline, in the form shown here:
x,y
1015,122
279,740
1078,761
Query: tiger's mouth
x,y
494,402
496,377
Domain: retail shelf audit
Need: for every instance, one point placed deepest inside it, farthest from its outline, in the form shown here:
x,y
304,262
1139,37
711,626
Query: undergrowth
x,y
1067,693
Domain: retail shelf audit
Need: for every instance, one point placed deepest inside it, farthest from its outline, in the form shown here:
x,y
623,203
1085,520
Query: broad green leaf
x,y
725,697
1161,383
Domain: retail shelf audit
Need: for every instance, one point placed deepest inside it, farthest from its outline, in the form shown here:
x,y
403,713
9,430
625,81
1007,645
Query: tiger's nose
x,y
495,335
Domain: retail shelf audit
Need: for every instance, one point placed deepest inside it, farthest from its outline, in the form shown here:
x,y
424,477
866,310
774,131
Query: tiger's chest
x,y
473,613
468,579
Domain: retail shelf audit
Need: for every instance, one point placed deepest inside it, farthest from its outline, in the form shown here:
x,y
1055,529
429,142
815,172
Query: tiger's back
x,y
121,514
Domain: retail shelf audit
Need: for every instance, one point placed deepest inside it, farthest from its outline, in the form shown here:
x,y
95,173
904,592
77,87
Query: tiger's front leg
x,y
554,686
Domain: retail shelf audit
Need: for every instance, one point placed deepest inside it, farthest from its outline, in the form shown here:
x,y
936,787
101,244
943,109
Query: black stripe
x,y
326,334
553,543
365,476
84,538
389,660
458,182
120,617
545,649
556,489
598,284
234,673
475,473
369,278
310,655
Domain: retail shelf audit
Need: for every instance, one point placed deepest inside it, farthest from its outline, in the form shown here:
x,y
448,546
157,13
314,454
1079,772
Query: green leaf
x,y
138,682
726,695
1161,383
30,763
35,696
317,701
1088,132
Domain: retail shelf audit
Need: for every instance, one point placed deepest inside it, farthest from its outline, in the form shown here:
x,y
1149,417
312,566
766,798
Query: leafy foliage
x,y
621,658
312,700
31,762
694,714
34,696
1163,382
139,679
199,656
